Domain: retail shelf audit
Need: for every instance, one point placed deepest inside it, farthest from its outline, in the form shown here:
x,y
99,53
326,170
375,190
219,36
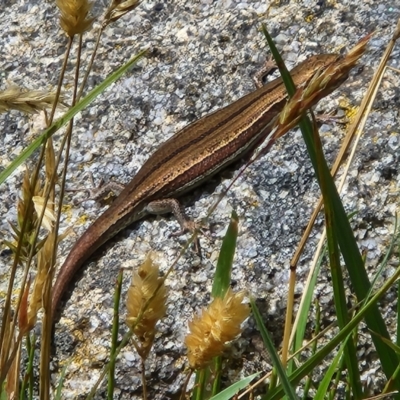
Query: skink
x,y
183,162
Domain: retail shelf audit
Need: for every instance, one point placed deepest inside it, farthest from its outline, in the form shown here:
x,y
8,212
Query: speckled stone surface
x,y
202,56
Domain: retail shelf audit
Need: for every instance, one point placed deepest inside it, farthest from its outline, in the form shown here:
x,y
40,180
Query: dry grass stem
x,y
23,203
11,388
44,267
13,377
73,19
324,82
29,101
144,284
31,246
217,325
357,126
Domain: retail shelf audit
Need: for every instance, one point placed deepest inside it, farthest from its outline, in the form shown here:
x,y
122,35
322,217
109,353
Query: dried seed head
x,y
29,101
32,220
324,82
48,216
23,322
73,16
217,325
43,277
147,288
118,9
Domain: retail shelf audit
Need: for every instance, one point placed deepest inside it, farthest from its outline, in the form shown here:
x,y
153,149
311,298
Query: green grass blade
x,y
348,245
68,116
328,375
338,284
315,360
222,277
304,310
58,395
287,79
232,390
269,345
361,285
222,280
389,252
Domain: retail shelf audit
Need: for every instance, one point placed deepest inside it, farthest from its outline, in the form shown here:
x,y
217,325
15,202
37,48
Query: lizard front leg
x,y
173,206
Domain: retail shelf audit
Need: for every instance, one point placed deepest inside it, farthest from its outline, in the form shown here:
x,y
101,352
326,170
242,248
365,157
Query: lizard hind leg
x,y
102,193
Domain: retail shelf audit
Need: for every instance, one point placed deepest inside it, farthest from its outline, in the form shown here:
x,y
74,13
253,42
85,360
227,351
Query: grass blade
x,y
286,384
68,116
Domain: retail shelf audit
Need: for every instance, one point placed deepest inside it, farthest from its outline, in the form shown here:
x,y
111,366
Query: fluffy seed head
x,y
73,16
217,325
142,291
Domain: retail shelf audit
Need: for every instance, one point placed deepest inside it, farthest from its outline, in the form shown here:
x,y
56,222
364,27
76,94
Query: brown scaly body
x,y
183,162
